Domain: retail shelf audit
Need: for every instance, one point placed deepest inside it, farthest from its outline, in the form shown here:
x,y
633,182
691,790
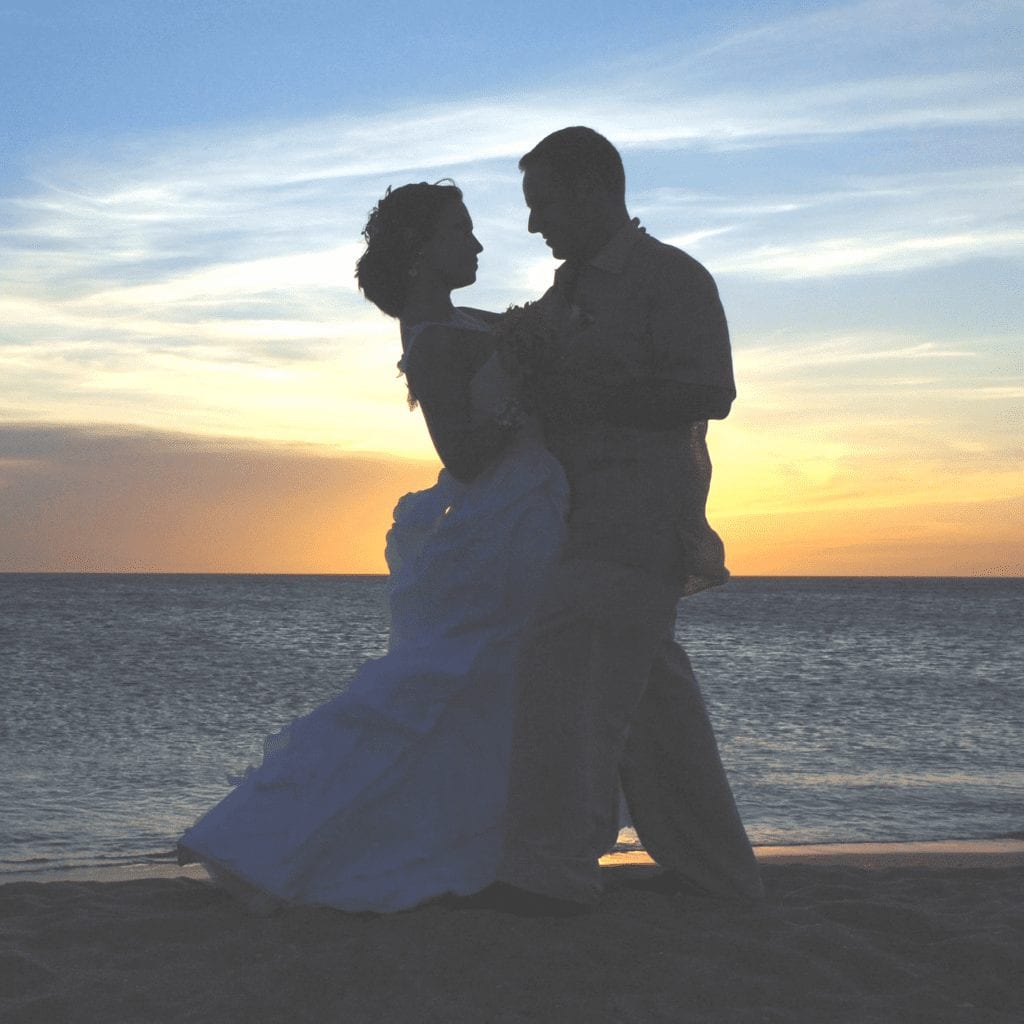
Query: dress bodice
x,y
490,390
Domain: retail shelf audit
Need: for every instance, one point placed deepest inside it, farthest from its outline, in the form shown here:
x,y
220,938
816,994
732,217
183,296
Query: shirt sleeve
x,y
689,333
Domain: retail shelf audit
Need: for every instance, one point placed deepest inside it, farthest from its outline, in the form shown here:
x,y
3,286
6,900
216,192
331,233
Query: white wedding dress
x,y
393,792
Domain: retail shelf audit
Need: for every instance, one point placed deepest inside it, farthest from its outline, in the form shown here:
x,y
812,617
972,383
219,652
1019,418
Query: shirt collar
x,y
611,257
614,254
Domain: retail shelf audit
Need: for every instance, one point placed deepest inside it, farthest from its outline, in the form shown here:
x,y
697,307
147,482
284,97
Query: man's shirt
x,y
646,312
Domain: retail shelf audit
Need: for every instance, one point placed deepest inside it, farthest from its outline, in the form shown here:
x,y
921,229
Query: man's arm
x,y
661,404
690,344
645,405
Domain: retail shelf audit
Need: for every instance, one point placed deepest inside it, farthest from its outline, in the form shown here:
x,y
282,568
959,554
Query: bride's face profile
x,y
450,255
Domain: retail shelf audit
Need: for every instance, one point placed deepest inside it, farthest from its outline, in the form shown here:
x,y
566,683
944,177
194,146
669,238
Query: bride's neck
x,y
424,304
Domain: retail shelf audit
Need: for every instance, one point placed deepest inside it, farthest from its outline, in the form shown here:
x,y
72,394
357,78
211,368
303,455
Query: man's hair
x,y
576,154
398,228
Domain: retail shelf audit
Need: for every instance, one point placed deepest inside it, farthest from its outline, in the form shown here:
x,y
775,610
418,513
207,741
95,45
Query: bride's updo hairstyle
x,y
398,228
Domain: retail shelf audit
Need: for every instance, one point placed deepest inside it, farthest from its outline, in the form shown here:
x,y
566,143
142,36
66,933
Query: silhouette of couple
x,y
532,673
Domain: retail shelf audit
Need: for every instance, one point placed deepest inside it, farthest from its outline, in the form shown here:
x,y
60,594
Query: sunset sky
x,y
190,381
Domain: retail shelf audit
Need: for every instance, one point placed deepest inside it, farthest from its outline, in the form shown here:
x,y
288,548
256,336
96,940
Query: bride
x,y
393,792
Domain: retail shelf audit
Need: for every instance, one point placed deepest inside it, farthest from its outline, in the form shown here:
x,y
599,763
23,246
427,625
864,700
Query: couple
x,y
531,674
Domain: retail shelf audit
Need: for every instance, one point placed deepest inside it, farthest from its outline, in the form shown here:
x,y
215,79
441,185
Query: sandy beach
x,y
880,933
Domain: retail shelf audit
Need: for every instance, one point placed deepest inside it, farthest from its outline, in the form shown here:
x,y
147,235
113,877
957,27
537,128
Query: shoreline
x,y
935,854
927,854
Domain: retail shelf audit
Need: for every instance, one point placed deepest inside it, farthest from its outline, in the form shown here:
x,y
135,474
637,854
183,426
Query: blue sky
x,y
105,66
183,186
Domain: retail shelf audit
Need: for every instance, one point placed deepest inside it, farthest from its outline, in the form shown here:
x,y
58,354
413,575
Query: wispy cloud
x,y
815,355
875,254
821,164
885,224
206,276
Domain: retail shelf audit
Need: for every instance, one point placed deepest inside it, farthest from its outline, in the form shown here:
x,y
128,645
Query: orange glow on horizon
x,y
982,539
147,502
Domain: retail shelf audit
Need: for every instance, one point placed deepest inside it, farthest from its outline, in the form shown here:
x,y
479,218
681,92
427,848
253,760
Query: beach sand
x,y
895,934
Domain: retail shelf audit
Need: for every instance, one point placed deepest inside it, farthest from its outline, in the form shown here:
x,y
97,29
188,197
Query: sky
x,y
190,380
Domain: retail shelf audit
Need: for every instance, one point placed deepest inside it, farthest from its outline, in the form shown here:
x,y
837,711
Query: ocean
x,y
847,710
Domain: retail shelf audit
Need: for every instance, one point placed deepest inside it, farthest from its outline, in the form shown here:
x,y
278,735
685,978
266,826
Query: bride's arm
x,y
439,370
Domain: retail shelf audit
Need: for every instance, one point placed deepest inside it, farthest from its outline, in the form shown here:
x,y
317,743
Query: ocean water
x,y
846,709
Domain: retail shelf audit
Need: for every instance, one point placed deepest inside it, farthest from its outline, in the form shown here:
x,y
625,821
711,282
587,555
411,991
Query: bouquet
x,y
527,345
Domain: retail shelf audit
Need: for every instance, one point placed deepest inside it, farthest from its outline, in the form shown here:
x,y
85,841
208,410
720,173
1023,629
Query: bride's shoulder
x,y
439,349
430,340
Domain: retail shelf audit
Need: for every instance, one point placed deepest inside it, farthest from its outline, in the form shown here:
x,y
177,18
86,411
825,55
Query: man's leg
x,y
585,662
678,794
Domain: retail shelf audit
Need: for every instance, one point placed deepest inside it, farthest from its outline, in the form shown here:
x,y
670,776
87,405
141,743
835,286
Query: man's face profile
x,y
554,211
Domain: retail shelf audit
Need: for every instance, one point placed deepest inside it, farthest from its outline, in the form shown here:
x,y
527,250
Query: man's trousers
x,y
605,693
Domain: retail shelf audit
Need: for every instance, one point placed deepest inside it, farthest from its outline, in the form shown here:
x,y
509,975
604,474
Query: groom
x,y
606,695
